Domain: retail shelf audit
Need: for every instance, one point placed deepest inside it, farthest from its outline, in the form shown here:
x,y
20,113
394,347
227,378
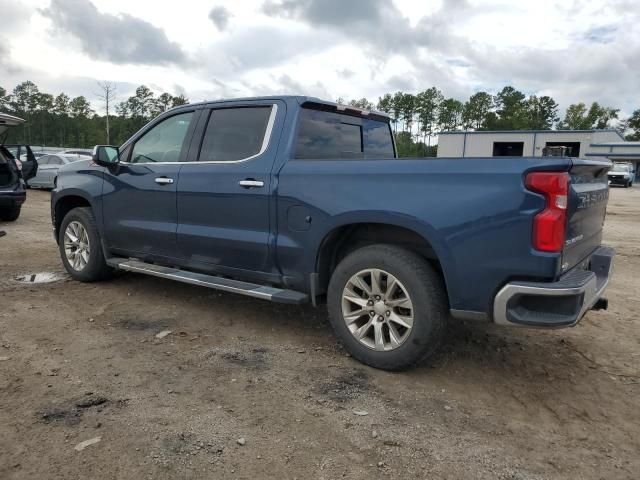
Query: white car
x,y
77,151
48,166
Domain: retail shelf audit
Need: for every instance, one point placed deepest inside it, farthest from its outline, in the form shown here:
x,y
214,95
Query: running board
x,y
228,285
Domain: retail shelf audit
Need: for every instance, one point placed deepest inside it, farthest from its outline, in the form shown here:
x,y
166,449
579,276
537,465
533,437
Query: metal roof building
x,y
617,151
528,143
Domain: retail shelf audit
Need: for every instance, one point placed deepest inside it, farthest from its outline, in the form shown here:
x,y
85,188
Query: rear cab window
x,y
327,135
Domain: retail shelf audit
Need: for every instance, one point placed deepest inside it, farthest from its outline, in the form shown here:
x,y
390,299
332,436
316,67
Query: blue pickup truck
x,y
294,199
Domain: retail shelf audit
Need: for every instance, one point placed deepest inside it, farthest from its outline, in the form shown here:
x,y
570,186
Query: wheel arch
x,y
64,204
349,236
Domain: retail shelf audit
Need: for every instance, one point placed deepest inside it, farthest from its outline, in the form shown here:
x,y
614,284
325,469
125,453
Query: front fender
x,y
78,187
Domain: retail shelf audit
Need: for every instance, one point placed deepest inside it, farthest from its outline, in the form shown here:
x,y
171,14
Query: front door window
x,y
163,143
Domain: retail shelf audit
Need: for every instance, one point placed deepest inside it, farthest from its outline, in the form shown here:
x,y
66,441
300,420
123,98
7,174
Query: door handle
x,y
251,183
164,181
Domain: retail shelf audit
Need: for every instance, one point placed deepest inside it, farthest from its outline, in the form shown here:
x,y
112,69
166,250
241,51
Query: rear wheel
x,y
388,306
10,214
80,247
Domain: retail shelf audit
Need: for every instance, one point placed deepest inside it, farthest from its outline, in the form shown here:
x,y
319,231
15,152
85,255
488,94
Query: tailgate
x,y
586,209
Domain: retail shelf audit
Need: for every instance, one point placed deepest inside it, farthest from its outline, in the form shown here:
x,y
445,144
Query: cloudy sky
x,y
573,50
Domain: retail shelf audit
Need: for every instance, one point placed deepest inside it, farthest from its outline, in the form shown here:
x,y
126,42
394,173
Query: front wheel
x,y
80,247
388,306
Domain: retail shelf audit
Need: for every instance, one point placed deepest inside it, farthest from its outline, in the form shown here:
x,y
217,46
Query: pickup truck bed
x,y
295,199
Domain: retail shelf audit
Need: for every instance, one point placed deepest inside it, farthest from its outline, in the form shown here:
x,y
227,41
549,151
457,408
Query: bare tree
x,y
108,95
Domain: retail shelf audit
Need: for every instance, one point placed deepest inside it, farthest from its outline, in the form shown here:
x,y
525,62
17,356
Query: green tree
x,y
80,110
450,114
164,102
396,109
427,105
577,117
44,105
363,103
511,110
141,104
61,111
385,103
4,99
179,100
605,115
633,124
407,111
476,110
80,107
23,101
542,113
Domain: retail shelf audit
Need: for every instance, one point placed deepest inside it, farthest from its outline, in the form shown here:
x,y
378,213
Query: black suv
x,y
12,177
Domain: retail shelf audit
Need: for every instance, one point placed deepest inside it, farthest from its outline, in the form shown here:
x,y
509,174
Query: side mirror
x,y
106,155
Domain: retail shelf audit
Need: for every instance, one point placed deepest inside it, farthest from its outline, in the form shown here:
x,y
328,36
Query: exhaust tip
x,y
601,304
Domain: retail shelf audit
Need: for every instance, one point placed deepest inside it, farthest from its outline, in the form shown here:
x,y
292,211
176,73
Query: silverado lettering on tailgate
x,y
590,199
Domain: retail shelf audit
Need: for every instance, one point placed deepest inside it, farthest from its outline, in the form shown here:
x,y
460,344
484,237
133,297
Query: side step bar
x,y
228,285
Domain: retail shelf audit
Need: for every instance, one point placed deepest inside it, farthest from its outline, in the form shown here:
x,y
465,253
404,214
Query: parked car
x,y
622,174
48,166
21,153
77,151
12,188
294,199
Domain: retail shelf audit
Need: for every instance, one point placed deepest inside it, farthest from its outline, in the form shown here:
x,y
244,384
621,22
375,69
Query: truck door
x,y
139,194
224,192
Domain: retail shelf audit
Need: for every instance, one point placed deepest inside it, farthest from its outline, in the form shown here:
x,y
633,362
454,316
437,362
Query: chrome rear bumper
x,y
555,304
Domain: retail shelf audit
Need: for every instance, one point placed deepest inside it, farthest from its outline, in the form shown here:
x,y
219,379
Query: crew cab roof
x,y
304,100
7,121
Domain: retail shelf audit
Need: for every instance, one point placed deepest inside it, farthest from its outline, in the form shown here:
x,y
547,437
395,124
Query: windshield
x,y
619,167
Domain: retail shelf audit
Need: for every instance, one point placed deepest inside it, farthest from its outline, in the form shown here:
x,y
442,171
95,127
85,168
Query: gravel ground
x,y
242,388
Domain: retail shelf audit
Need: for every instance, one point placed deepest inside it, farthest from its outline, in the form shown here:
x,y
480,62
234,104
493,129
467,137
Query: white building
x,y
583,143
617,152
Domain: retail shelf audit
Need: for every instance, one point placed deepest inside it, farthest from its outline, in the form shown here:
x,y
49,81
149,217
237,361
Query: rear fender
x,y
424,230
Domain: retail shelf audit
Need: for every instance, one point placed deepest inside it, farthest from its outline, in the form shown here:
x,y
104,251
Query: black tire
x,y
96,268
10,214
423,284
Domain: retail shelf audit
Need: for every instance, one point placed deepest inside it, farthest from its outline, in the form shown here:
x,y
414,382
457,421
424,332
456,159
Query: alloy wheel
x,y
377,309
76,246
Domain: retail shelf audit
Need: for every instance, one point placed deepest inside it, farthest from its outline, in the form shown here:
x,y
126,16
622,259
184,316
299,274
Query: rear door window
x,y
330,136
235,134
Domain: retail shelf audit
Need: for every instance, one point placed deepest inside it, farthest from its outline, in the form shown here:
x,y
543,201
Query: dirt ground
x,y
79,361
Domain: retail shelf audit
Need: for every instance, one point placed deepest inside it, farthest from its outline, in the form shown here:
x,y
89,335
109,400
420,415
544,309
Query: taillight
x,y
550,224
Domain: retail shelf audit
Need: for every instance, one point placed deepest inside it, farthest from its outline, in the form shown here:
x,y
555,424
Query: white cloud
x,y
576,50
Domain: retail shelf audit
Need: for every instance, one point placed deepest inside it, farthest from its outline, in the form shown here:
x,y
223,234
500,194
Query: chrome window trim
x,y
265,142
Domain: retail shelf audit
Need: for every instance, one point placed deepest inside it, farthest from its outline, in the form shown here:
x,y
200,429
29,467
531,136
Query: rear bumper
x,y
555,304
12,198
